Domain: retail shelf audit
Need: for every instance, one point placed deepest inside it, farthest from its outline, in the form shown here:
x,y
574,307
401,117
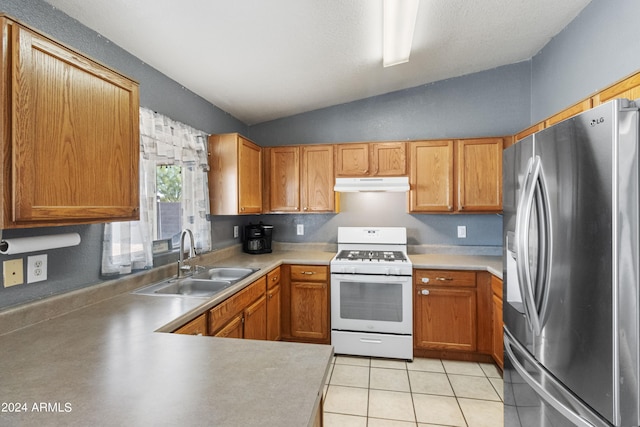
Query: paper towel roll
x,y
21,245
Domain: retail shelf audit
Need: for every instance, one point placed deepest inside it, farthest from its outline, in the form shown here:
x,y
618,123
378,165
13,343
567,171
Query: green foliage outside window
x,y
169,183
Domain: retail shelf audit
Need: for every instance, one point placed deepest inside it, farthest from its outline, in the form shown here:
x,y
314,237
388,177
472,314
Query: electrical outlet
x,y
12,272
300,229
36,268
235,231
462,232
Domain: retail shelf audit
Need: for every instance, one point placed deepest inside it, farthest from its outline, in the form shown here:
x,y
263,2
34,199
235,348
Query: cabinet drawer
x,y
496,286
445,278
309,273
273,277
197,326
223,312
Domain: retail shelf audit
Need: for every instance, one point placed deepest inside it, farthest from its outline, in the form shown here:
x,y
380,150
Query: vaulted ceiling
x,y
261,60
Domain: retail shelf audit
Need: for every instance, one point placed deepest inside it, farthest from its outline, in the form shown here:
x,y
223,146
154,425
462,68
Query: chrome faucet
x,y
182,267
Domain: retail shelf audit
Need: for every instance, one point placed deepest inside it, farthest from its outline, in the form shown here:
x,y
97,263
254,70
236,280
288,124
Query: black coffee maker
x,y
257,238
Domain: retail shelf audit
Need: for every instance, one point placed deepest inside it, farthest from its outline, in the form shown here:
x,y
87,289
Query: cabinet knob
x,y
424,292
425,280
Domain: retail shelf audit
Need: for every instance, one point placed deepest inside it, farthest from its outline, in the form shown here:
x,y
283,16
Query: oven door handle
x,y
370,341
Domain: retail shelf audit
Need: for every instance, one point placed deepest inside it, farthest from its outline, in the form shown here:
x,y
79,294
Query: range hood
x,y
384,184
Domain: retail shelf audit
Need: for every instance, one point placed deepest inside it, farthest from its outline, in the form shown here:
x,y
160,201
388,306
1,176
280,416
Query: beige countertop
x,y
492,264
103,363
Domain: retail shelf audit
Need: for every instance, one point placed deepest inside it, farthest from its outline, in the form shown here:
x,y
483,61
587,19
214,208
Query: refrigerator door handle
x,y
523,218
544,262
567,412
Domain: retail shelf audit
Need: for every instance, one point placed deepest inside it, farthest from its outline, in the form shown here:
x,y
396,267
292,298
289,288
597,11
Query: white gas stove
x,y
371,298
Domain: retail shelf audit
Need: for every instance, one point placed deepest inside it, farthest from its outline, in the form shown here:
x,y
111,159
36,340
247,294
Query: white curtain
x,y
127,246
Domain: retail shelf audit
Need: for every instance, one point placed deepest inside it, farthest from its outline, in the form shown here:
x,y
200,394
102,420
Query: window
x,y
173,170
169,202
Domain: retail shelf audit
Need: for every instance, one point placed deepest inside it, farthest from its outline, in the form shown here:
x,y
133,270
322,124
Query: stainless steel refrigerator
x,y
571,272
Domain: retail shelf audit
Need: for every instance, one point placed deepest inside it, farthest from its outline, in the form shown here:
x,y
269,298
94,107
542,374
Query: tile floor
x,y
372,392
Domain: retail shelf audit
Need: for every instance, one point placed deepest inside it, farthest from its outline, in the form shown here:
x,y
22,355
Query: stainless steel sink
x,y
229,273
204,284
194,287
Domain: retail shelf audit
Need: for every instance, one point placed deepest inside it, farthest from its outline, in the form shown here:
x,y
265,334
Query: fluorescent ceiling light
x,y
399,22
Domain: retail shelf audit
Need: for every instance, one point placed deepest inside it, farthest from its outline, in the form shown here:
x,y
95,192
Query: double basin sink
x,y
203,284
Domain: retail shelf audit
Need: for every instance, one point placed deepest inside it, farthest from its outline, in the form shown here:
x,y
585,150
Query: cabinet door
x,y
249,177
568,112
255,320
389,158
75,127
317,179
479,166
498,343
352,159
431,176
233,329
627,88
273,313
528,131
284,179
445,318
197,326
309,310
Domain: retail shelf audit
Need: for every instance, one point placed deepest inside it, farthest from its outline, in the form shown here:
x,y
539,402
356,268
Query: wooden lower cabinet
x,y
305,303
197,326
255,320
273,304
233,329
497,321
246,311
446,318
452,315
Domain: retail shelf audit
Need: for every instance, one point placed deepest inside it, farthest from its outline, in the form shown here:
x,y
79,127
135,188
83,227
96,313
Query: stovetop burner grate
x,y
364,255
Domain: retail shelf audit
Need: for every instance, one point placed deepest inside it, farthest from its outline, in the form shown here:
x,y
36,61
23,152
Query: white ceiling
x,y
261,60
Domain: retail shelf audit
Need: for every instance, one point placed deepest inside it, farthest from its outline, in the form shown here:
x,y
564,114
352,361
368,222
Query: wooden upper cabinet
x,y
235,175
456,176
352,160
568,112
300,179
528,131
389,158
70,135
317,179
431,176
627,88
284,181
479,175
371,159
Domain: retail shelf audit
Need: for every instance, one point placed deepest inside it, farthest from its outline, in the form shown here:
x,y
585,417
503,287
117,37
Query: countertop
x,y
105,363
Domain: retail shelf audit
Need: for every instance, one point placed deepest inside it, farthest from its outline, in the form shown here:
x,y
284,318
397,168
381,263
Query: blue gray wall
x,y
597,48
490,103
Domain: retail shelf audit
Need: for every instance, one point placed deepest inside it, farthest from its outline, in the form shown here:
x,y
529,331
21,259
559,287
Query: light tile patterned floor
x,y
371,392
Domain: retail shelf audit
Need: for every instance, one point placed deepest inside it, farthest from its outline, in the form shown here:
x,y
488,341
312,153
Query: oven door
x,y
371,303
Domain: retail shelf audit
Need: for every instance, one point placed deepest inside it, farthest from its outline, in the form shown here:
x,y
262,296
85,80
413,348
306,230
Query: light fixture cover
x,y
399,18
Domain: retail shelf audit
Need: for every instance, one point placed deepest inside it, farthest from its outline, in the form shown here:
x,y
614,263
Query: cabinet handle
x,y
444,279
308,272
305,208
423,292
